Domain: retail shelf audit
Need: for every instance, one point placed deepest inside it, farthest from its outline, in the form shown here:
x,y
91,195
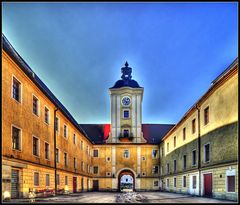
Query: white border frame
x,y
208,143
128,154
64,159
195,158
64,131
74,134
21,90
174,178
47,173
48,151
38,178
205,107
183,181
58,155
98,153
13,125
129,113
48,115
38,156
226,184
38,104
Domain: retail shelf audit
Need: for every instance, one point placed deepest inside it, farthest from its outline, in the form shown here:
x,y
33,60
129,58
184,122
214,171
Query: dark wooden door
x,y
15,184
207,184
95,185
74,184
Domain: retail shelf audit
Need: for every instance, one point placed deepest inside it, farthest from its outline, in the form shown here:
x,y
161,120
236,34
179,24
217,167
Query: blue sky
x,y
78,49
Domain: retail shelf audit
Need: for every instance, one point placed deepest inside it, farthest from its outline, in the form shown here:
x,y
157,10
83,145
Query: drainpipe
x,y
199,149
55,149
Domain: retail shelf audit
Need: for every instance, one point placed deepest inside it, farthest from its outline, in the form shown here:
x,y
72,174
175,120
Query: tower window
x,y
126,133
126,114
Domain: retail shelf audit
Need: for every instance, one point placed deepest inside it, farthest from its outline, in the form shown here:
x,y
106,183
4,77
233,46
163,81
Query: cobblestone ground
x,y
114,197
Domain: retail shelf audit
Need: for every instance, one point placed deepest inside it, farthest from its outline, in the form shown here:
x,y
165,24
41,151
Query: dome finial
x,y
126,64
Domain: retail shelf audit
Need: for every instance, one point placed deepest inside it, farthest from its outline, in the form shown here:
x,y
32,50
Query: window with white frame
x,y
194,157
95,153
65,131
95,170
126,153
65,159
184,182
154,153
174,165
46,115
46,149
36,145
231,180
36,179
57,155
35,105
207,152
194,182
16,138
156,183
155,169
126,114
66,180
47,180
174,182
57,124
74,138
75,163
167,183
16,89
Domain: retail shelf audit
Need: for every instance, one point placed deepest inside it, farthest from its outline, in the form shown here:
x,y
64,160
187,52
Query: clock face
x,y
126,101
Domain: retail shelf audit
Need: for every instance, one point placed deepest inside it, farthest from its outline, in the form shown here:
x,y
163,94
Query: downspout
x,y
199,150
55,149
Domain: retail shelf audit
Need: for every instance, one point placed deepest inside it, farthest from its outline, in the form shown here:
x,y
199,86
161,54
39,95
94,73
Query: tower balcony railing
x,y
126,136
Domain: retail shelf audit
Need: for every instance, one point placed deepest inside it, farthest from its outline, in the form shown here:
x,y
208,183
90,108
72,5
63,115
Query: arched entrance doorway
x,y
126,181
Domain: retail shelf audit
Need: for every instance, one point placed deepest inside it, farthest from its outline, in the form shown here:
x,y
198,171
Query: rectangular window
x,y
75,163
155,169
162,152
126,133
154,153
35,106
184,181
36,179
167,182
168,147
82,166
65,131
35,146
126,154
184,161
184,133
58,179
168,170
174,141
95,153
175,182
57,124
95,170
74,138
230,183
46,115
16,90
193,126
66,180
175,165
155,183
65,159
47,155
16,138
194,182
47,180
194,157
126,114
207,152
87,149
57,155
81,145
206,115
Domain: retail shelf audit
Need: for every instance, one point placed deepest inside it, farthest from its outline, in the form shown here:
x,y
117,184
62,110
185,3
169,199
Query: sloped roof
x,y
8,48
153,133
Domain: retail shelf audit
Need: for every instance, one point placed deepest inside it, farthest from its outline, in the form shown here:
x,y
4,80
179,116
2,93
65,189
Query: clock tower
x,y
126,109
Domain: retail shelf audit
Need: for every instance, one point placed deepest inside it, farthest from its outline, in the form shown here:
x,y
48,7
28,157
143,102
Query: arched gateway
x,y
126,181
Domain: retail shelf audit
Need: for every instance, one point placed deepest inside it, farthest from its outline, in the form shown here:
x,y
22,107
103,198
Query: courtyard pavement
x,y
115,197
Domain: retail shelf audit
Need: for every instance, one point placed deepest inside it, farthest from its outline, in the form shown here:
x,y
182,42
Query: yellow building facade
x,y
125,154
